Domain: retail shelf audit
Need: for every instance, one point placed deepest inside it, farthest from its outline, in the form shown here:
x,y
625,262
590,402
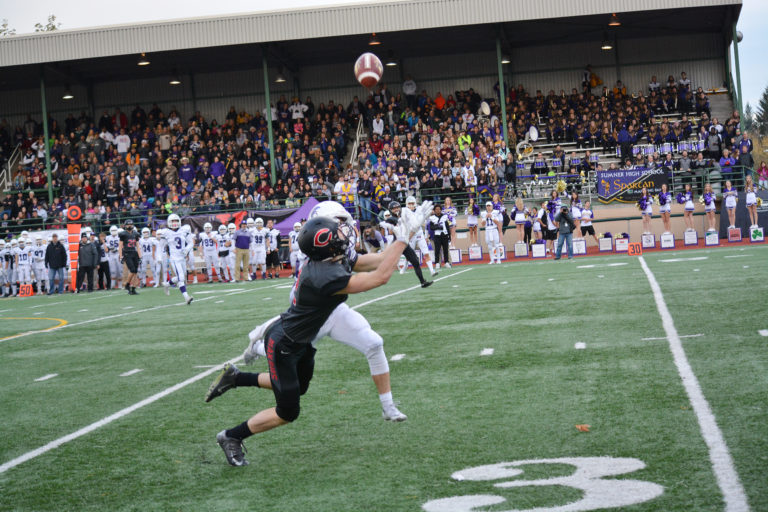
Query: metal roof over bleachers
x,y
330,22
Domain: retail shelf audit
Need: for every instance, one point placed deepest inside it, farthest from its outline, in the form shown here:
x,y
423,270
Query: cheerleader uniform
x,y
472,215
689,207
711,206
586,222
450,212
520,215
751,195
576,210
665,205
536,227
730,198
648,206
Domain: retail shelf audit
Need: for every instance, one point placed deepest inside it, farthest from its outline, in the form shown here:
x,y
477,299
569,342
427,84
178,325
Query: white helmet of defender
x,y
174,221
24,234
14,243
297,226
145,232
231,228
207,227
250,222
223,229
112,231
410,202
386,214
21,242
332,209
259,222
39,241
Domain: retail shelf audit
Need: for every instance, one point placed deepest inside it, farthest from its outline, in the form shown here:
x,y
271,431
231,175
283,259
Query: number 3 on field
x,y
588,478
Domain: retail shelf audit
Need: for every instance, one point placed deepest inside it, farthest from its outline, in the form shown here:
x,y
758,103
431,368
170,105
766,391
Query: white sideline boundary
x,y
157,396
722,463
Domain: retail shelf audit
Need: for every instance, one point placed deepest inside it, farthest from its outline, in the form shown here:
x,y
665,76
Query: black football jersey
x,y
130,241
314,299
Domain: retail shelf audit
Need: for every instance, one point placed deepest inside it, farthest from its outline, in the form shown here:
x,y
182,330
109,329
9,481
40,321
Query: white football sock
x,y
386,398
431,267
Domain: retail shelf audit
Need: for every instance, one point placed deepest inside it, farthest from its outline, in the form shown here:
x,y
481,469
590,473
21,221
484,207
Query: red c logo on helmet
x,y
322,237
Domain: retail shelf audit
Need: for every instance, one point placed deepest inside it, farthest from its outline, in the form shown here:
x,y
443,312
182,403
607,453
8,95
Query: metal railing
x,y
356,144
6,173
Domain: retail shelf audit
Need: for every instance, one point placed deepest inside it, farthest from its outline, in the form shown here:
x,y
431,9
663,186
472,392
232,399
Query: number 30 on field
x,y
588,478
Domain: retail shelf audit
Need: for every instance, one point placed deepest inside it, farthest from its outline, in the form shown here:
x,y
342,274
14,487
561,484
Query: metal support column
x,y
192,91
616,57
738,71
45,138
502,91
268,110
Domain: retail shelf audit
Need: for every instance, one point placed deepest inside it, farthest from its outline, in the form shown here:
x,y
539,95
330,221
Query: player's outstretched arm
x,y
365,281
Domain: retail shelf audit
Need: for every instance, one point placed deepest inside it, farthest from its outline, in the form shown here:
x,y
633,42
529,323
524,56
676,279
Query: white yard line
x,y
681,337
722,463
486,352
154,398
46,377
131,372
676,260
47,304
397,357
738,256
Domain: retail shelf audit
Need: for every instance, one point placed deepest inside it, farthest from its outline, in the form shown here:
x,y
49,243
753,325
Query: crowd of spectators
x,y
145,165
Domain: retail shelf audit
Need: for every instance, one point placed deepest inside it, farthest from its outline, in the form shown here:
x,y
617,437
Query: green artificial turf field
x,y
522,402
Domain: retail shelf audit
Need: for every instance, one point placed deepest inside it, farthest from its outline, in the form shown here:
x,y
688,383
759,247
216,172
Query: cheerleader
x,y
731,196
498,205
645,204
576,212
535,224
520,213
450,211
709,206
665,208
686,198
587,215
751,191
472,212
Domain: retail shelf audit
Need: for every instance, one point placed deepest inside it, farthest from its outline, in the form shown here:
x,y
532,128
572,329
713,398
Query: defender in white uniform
x,y
112,243
419,240
231,228
180,243
273,254
259,249
147,244
225,245
160,270
38,264
209,251
297,257
491,221
24,262
346,325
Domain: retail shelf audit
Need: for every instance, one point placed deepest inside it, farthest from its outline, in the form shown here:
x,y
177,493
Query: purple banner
x,y
625,185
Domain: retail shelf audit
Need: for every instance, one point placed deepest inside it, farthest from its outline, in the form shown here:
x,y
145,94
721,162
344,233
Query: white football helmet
x,y
174,221
332,209
410,202
386,214
14,243
39,241
207,227
24,234
112,231
250,222
21,242
223,229
297,226
2,244
145,232
231,228
259,222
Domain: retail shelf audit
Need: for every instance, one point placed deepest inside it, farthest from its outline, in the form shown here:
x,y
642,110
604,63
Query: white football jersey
x,y
488,220
24,254
208,242
273,234
146,245
113,244
221,240
293,237
178,241
259,240
38,254
160,248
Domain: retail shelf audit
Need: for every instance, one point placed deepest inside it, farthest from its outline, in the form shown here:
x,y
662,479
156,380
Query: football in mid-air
x,y
368,70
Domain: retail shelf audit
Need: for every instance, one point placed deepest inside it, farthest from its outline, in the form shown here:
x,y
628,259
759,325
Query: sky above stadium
x,y
86,13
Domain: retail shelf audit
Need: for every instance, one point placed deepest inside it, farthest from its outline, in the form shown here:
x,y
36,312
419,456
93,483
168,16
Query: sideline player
x,y
24,262
224,244
492,220
38,264
259,249
130,253
209,251
113,254
147,244
297,257
409,253
325,283
273,250
231,230
160,271
180,242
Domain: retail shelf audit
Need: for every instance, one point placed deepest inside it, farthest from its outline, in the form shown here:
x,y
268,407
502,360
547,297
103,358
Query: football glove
x,y
422,213
402,231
